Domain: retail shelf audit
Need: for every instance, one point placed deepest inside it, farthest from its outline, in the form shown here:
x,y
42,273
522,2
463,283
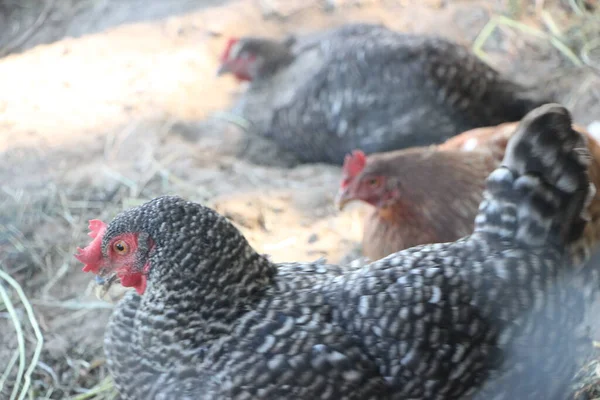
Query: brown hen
x,y
431,194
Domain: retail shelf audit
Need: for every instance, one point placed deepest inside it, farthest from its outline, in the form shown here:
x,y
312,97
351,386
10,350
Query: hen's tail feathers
x,y
539,194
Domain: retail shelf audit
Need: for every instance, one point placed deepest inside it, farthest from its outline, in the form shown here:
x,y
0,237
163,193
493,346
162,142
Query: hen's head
x,y
172,242
125,255
126,249
238,60
361,182
251,58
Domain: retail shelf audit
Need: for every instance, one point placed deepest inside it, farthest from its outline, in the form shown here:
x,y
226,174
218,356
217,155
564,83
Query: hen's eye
x,y
373,182
120,247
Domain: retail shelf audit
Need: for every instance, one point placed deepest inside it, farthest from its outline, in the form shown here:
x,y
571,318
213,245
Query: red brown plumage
x,y
431,194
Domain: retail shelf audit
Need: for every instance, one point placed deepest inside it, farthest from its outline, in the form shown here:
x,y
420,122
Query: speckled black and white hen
x,y
489,316
365,86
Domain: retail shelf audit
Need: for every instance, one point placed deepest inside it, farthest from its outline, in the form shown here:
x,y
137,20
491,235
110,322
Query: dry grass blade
x,y
579,8
576,7
21,374
74,305
20,338
586,52
493,23
132,185
9,368
103,390
233,118
551,24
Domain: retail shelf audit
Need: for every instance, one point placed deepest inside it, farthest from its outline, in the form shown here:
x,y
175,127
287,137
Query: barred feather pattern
x,y
488,316
365,86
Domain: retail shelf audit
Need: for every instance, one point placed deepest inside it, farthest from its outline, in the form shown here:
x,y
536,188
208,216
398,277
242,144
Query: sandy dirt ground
x,y
106,103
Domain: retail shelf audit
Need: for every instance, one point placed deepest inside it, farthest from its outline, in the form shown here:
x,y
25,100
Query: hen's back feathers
x,y
368,87
490,139
438,192
437,321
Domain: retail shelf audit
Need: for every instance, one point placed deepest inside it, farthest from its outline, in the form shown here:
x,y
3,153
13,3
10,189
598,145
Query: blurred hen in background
x,y
366,86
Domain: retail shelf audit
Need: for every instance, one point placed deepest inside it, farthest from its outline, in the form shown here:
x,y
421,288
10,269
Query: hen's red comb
x,y
230,43
91,255
354,163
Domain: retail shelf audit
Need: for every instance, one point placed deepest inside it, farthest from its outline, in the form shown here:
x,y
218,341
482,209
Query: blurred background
x,y
107,103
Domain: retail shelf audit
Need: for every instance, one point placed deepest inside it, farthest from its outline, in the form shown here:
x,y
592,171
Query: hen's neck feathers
x,y
438,196
203,271
273,56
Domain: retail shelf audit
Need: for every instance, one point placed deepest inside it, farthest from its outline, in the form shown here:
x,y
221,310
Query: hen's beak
x,y
223,69
104,285
106,282
341,199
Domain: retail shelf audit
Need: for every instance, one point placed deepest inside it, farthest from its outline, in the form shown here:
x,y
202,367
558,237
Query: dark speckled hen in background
x,y
491,314
365,86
